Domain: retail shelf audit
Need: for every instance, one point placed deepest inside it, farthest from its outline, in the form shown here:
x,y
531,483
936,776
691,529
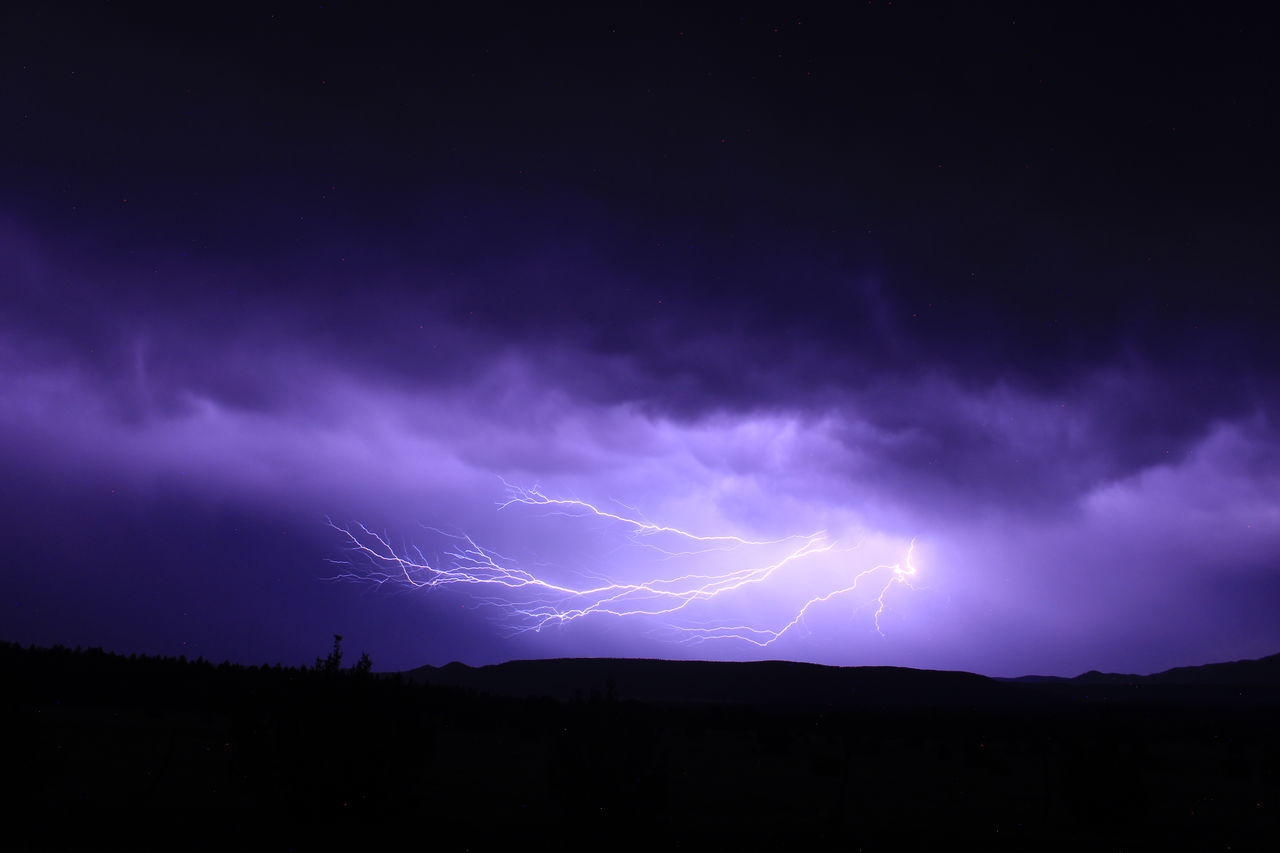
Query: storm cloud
x,y
1040,347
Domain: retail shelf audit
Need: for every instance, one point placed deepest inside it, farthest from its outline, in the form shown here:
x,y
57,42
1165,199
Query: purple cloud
x,y
1100,521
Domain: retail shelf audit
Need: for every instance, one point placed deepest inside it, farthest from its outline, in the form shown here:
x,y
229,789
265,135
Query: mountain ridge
x,y
1249,671
780,682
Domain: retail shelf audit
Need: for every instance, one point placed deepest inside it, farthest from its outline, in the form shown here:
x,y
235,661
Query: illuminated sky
x,y
997,282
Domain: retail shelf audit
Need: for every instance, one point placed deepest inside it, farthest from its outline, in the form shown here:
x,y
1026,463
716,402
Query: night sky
x,y
998,280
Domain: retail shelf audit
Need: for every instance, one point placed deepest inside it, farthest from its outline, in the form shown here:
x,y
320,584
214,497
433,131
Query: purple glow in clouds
x,y
798,293
1044,545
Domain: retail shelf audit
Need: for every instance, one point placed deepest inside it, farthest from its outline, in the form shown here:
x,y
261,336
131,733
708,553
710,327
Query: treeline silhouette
x,y
141,751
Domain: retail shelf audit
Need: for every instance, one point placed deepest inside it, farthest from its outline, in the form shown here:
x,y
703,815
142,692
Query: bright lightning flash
x,y
530,602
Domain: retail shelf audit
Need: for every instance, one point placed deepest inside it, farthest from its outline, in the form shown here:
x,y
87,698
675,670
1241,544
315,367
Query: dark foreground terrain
x,y
104,751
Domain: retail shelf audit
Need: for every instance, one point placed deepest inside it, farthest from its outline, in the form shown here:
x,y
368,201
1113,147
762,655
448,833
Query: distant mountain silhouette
x,y
788,683
755,683
1263,672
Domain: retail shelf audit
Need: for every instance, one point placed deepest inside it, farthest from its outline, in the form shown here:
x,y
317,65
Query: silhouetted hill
x,y
1263,673
753,683
803,684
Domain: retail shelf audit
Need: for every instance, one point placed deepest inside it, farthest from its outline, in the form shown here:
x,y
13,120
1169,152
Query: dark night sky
x,y
997,279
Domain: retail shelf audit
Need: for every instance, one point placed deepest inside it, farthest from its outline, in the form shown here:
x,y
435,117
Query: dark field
x,y
109,751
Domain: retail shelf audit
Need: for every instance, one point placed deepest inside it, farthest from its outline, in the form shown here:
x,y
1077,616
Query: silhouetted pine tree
x,y
333,663
363,666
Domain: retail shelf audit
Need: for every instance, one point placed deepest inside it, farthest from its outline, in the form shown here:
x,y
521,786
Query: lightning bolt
x,y
899,573
531,602
640,527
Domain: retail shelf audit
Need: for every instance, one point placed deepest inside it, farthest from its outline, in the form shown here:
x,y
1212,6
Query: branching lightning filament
x,y
528,601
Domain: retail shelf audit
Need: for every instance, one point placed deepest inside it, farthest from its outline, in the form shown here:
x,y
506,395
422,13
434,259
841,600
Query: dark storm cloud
x,y
925,416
